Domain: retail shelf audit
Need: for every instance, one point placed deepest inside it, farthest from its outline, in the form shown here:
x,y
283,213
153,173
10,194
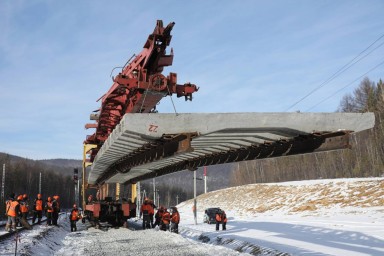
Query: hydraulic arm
x,y
138,87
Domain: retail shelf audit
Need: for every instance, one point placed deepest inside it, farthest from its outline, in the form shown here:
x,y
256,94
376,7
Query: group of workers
x,y
17,210
166,220
169,220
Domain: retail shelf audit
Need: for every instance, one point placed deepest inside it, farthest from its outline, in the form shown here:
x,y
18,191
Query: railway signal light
x,y
75,175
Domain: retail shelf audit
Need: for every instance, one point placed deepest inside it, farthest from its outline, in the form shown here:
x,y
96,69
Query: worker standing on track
x,y
74,217
37,209
12,211
56,209
145,210
49,210
175,220
152,212
158,216
24,208
165,219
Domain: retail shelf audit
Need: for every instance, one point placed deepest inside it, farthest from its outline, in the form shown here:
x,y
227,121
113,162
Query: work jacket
x,y
175,218
166,217
146,208
24,207
13,208
49,207
75,214
38,204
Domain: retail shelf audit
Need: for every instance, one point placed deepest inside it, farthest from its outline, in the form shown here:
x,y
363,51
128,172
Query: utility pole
x,y
205,179
194,197
3,185
138,199
157,197
76,181
154,190
40,183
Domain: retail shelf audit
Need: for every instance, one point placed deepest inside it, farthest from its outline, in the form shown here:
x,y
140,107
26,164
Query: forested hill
x,y
65,165
22,176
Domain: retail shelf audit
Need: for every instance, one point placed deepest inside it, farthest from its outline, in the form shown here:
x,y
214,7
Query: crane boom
x,y
139,87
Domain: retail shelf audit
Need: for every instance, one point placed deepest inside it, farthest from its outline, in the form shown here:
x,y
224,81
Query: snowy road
x,y
141,242
51,240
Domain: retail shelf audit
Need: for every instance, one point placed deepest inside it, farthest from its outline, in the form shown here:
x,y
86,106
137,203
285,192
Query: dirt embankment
x,y
299,196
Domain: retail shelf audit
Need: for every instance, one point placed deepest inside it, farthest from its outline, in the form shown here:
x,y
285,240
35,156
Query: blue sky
x,y
246,56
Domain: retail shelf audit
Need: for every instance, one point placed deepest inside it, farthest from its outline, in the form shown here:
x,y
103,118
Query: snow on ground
x,y
321,217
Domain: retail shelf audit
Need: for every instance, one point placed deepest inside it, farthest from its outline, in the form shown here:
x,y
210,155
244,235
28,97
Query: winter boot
x,y
7,227
14,227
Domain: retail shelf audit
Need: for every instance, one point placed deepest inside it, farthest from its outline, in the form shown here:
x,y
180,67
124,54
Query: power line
x,y
342,69
346,86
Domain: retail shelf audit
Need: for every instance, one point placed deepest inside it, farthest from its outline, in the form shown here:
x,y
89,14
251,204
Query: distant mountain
x,y
62,166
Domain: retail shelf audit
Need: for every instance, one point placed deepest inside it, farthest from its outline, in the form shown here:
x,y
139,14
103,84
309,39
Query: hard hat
x,y
56,197
19,197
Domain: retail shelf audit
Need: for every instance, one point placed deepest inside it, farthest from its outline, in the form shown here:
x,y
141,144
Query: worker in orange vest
x,y
49,210
24,207
145,210
221,218
158,216
12,210
74,217
165,219
37,209
152,212
175,220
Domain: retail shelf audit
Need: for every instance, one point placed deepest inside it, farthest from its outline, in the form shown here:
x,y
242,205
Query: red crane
x,y
138,87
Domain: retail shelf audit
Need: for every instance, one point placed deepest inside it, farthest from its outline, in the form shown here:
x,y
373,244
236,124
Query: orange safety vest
x,y
166,217
224,217
218,217
24,207
175,217
39,204
11,211
146,209
221,217
151,209
75,214
49,207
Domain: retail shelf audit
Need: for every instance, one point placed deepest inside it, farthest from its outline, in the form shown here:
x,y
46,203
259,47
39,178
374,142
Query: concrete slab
x,y
214,133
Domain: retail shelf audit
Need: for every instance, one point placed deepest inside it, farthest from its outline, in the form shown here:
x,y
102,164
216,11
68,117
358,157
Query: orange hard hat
x,y
19,197
56,197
